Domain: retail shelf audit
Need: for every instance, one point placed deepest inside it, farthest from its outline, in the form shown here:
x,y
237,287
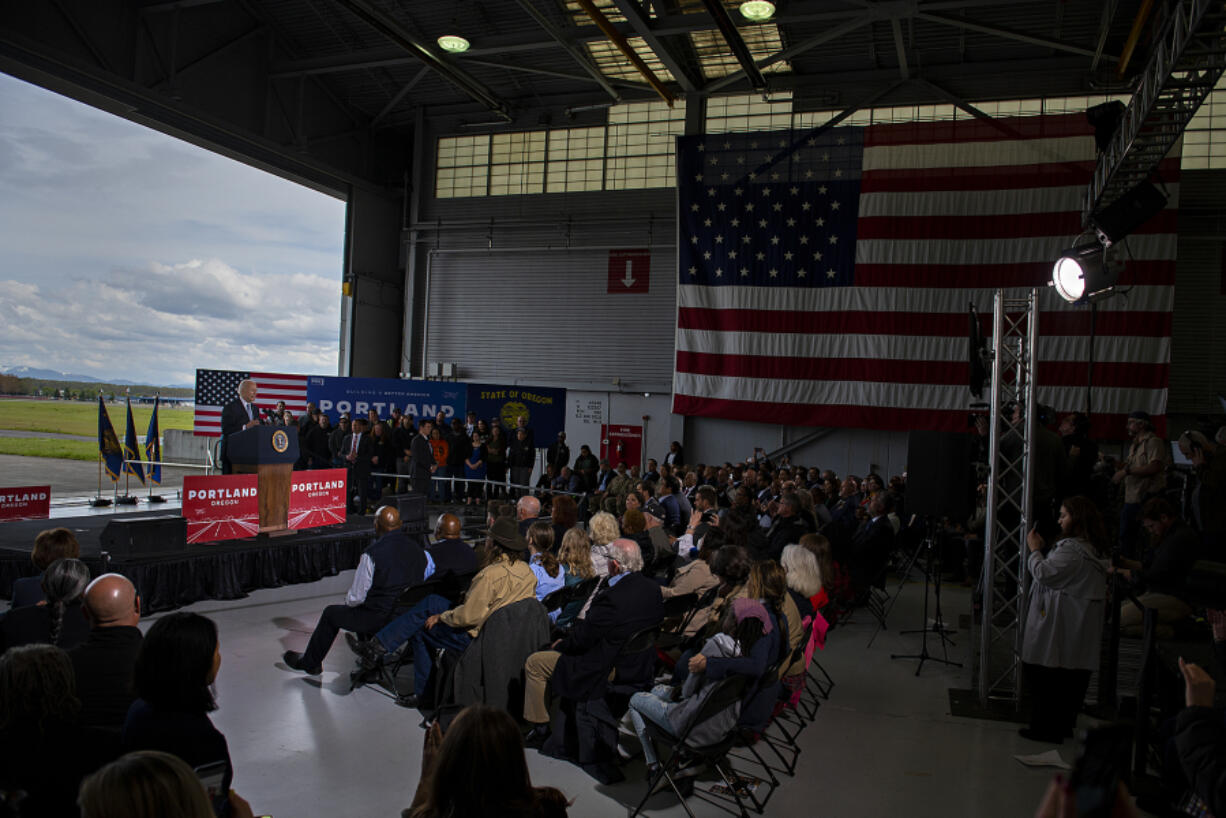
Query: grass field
x,y
50,447
74,418
81,418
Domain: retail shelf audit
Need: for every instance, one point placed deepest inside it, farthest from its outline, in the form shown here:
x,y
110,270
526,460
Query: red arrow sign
x,y
629,271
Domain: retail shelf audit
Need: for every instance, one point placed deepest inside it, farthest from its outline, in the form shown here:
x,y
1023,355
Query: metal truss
x,y
1187,60
1014,343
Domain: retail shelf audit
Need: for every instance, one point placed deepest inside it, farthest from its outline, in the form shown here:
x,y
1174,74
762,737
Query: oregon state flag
x,y
153,446
130,450
108,443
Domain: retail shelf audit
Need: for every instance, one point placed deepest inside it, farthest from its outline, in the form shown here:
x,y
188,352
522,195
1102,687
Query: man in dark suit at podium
x,y
356,450
237,415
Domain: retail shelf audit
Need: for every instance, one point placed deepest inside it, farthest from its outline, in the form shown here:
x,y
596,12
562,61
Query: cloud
x,y
132,254
164,322
80,186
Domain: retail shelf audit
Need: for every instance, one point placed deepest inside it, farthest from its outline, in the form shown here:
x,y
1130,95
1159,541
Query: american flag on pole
x,y
823,280
217,387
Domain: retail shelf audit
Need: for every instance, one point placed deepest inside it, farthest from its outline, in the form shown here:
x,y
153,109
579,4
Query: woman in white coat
x,y
1064,619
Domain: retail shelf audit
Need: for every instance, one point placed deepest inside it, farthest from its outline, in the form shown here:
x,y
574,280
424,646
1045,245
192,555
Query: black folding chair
x,y
673,639
724,695
451,587
568,594
747,739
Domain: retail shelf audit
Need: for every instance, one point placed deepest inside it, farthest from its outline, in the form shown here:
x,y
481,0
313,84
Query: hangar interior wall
x,y
518,291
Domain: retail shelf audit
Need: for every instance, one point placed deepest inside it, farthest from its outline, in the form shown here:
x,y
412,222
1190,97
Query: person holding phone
x,y
1064,619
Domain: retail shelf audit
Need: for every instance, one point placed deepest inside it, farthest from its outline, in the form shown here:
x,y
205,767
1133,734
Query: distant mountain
x,y
53,375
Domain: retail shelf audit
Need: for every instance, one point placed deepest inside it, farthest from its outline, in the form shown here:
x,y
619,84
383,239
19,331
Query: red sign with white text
x,y
25,503
317,498
621,444
222,507
629,271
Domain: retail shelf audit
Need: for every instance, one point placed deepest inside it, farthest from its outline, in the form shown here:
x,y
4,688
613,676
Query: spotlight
x,y
1082,273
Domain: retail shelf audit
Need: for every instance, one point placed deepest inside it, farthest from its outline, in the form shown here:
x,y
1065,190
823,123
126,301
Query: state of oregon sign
x,y
280,441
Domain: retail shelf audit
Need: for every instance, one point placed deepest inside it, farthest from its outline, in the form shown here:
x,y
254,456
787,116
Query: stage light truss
x,y
1004,579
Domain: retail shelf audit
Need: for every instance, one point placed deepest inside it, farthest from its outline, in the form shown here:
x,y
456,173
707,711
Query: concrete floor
x,y
73,482
885,744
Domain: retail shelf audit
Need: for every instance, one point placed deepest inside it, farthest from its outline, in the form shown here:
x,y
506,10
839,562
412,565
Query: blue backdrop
x,y
358,396
545,408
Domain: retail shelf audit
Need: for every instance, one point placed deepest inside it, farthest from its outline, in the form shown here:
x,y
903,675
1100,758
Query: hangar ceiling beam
x,y
391,29
685,75
573,50
719,12
1004,33
1187,60
800,48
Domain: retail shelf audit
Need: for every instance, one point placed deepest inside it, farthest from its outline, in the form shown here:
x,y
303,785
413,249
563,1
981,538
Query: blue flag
x,y
108,443
130,450
153,446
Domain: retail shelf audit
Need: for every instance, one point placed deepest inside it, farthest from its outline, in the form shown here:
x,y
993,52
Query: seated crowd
x,y
579,623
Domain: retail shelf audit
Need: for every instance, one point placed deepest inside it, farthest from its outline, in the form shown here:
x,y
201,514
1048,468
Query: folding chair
x,y
451,587
725,694
672,639
585,732
564,596
748,739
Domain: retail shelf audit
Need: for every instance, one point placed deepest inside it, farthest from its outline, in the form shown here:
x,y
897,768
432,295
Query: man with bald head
x,y
391,563
103,663
527,510
237,415
450,553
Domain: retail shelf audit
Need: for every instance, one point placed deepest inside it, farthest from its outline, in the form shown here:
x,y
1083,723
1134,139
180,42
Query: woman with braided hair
x,y
59,622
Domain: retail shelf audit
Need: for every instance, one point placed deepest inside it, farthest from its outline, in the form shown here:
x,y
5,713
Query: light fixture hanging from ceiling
x,y
453,43
757,10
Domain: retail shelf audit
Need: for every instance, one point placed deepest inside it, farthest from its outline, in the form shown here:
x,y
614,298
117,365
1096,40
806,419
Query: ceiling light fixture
x,y
757,10
453,43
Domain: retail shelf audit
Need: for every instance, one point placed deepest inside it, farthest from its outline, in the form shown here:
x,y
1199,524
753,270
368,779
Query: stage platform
x,y
221,570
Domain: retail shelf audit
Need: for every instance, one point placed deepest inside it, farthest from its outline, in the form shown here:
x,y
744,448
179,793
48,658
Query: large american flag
x,y
823,280
217,387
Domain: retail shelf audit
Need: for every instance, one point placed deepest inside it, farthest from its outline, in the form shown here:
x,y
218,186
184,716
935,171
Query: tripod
x,y
903,575
932,574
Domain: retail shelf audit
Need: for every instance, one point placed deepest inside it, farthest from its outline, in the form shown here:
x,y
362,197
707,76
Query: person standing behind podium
x,y
423,464
237,415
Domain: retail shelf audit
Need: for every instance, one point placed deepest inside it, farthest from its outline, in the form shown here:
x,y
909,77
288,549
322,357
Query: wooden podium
x,y
270,453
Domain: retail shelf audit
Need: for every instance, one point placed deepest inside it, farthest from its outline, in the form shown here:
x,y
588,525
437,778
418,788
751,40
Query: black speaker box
x,y
131,536
412,507
940,478
1130,211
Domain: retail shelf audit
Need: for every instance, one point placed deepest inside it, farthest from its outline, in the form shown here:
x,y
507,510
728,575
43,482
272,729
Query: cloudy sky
x,y
130,254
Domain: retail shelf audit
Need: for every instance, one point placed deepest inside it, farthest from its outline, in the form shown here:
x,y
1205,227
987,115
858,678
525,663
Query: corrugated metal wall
x,y
543,315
